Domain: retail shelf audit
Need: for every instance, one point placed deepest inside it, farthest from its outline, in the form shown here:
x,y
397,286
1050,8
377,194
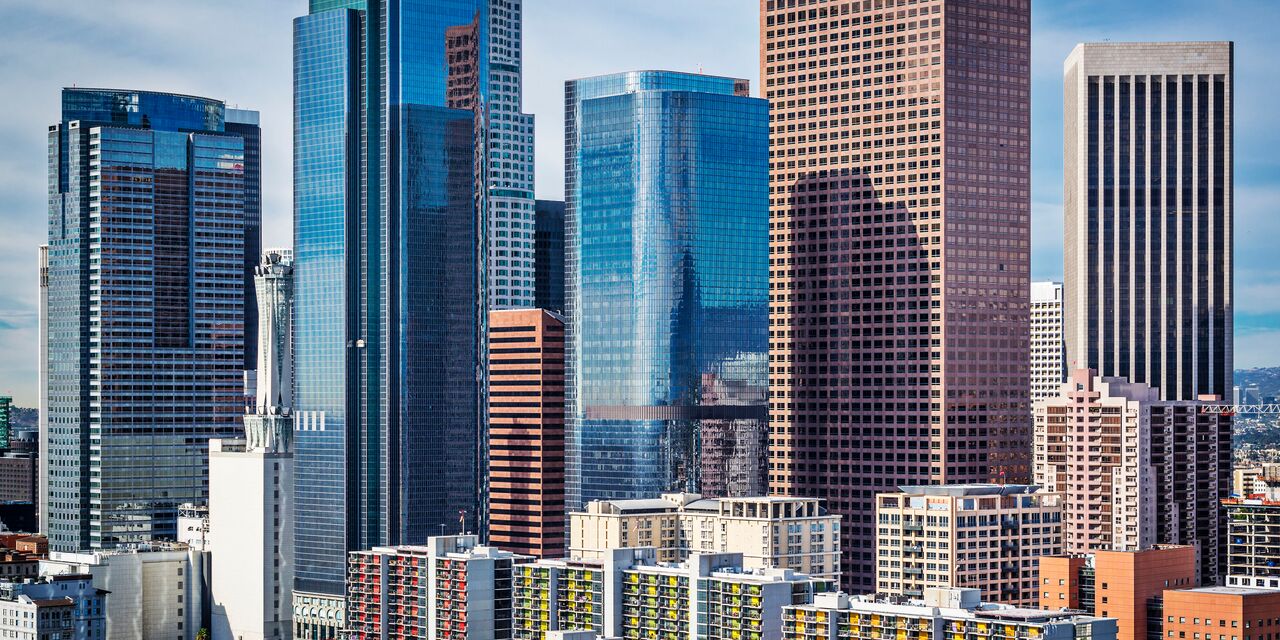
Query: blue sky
x,y
239,51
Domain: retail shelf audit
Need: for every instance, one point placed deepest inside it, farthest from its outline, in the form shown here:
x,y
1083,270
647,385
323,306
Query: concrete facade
x,y
1253,540
1048,353
984,537
251,482
769,532
156,590
1134,470
1148,177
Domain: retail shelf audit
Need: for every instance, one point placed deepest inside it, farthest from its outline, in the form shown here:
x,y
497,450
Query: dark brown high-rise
x,y
526,432
900,250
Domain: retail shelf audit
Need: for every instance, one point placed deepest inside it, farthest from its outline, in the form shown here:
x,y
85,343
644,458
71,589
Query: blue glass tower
x,y
666,249
148,223
389,117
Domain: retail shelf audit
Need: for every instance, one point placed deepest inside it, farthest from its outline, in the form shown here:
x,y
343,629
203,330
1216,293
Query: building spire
x,y
269,425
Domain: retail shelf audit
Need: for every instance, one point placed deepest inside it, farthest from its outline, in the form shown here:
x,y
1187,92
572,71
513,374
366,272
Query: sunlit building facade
x,y
900,230
144,312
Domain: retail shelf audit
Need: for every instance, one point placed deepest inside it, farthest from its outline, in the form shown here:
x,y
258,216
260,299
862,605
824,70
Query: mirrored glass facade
x,y
147,230
390,116
666,241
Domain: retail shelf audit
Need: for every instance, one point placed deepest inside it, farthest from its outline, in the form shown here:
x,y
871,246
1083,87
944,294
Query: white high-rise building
x,y
1048,354
511,205
1148,201
250,483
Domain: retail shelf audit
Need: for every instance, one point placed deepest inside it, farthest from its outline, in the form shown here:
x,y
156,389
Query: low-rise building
x,y
1125,585
1247,480
157,589
711,596
1222,613
769,532
573,594
20,555
66,607
452,588
1253,539
950,614
981,536
18,474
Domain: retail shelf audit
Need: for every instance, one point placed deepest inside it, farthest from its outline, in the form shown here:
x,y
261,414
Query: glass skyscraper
x,y
390,117
144,311
666,245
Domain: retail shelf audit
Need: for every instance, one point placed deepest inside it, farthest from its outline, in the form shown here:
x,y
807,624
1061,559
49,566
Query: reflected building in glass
x,y
389,247
666,278
144,308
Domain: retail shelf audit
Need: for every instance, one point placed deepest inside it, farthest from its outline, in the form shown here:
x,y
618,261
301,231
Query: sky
x,y
240,51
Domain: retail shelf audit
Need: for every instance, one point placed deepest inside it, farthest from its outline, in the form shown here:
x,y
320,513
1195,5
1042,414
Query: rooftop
x,y
969,489
1233,591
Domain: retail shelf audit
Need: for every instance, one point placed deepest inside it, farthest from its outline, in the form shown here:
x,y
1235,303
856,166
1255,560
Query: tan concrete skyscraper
x,y
1148,202
899,249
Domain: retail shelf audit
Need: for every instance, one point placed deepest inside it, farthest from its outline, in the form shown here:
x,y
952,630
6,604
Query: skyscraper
x,y
1048,356
145,310
510,151
548,255
526,432
251,483
666,284
390,117
1148,202
247,125
899,244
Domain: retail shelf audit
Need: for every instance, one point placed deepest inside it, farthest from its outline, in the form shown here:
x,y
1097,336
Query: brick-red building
x,y
526,432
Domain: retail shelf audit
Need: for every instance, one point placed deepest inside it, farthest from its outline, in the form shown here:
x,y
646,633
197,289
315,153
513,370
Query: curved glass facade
x,y
666,285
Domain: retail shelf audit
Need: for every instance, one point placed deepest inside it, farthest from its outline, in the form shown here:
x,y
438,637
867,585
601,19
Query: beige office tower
x,y
769,532
981,536
1048,354
1148,204
899,181
1134,470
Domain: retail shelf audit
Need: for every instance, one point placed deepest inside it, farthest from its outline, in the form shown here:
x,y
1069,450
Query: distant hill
x,y
24,419
1267,379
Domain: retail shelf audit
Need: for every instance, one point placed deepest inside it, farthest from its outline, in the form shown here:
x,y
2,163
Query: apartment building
x,y
791,533
711,596
452,588
1048,352
1253,540
950,614
984,536
1134,470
